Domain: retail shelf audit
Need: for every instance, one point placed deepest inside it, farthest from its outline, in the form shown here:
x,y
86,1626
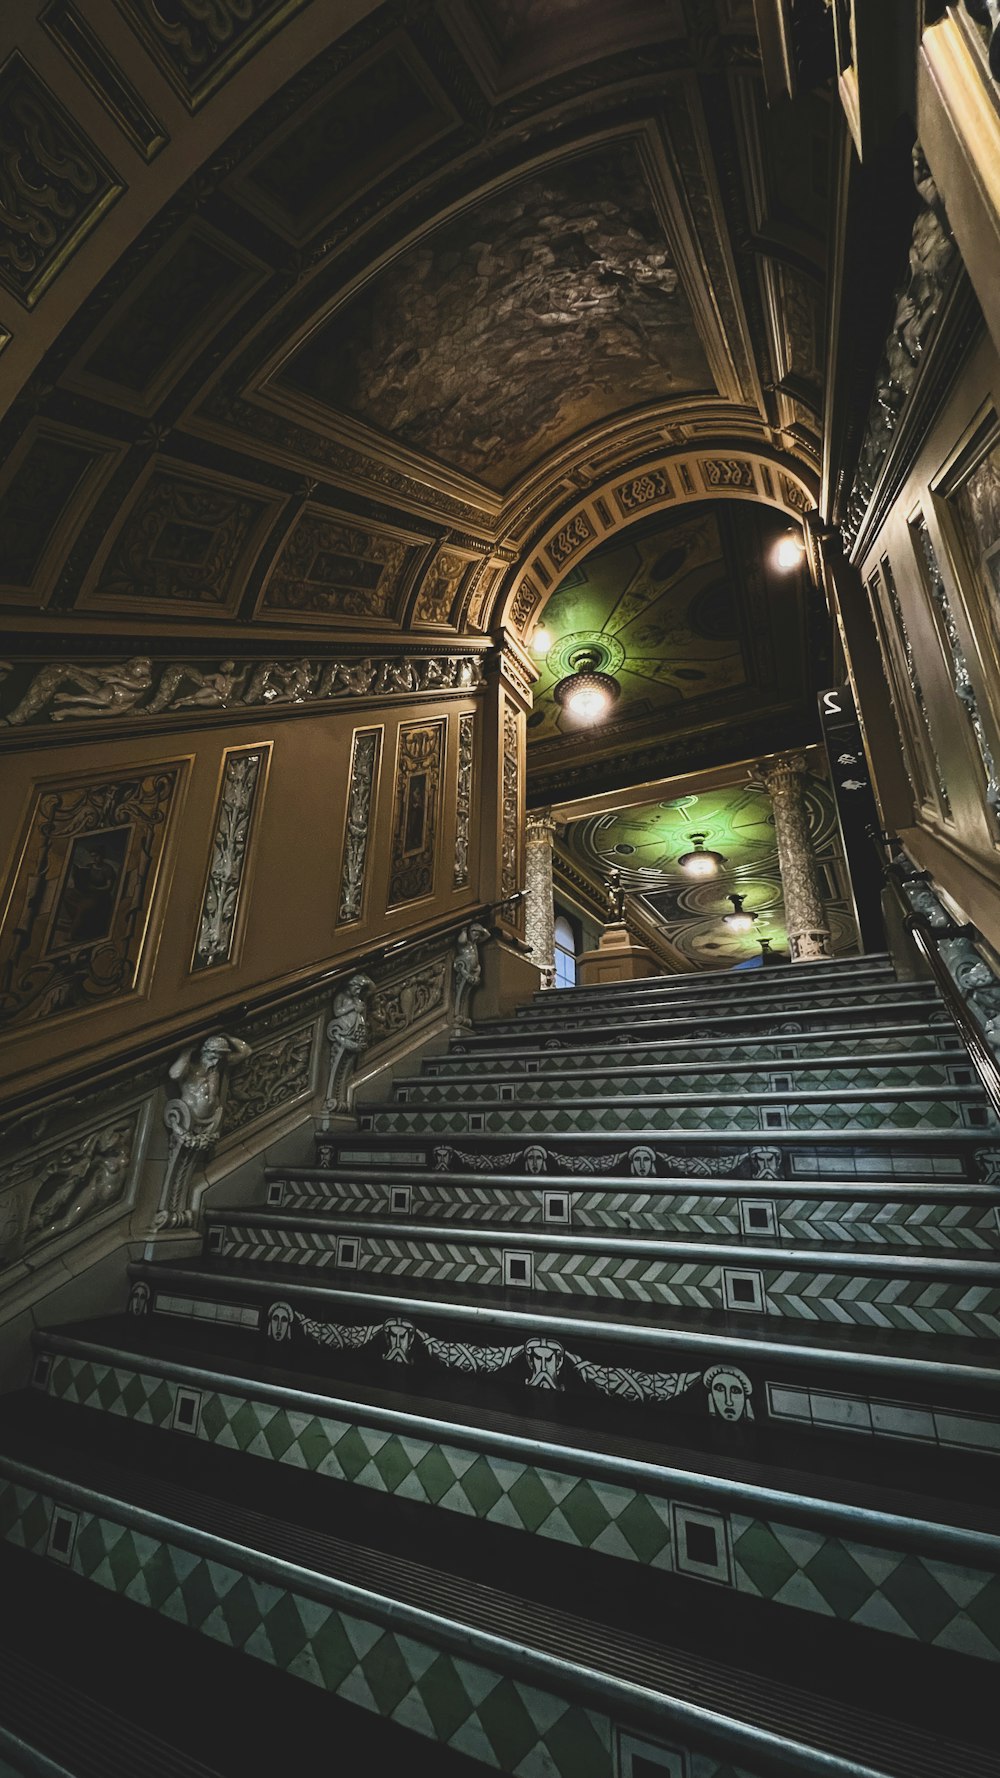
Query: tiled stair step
x,y
767,1001
618,999
50,1729
761,1022
835,970
923,1293
819,1154
470,1641
97,1648
819,1046
650,1366
840,1551
835,1074
897,1215
901,1108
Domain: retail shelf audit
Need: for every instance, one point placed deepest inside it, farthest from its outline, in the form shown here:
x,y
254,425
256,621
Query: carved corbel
x,y
347,1034
193,1119
467,971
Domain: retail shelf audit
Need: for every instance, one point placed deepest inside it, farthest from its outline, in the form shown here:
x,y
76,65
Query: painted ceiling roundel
x,y
548,305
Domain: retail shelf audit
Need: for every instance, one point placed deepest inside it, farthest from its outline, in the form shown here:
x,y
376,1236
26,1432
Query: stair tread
x,y
759,1333
764,1456
472,1583
958,1191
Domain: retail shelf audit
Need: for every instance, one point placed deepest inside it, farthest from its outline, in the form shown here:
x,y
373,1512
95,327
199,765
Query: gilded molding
x,y
98,69
199,46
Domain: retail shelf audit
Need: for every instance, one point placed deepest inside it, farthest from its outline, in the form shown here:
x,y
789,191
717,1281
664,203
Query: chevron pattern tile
x,y
919,1597
833,1220
797,1293
503,1722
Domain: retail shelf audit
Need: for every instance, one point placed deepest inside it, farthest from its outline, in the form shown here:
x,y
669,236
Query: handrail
x,y
925,937
33,1104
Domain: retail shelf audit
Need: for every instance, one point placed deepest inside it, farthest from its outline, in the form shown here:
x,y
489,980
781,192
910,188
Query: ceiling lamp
x,y
587,693
790,551
700,862
738,921
541,640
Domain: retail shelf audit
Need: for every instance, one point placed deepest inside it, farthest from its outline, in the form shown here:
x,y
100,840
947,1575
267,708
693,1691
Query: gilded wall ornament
x,y
82,895
185,541
242,776
364,768
419,765
135,688
439,588
463,800
510,800
643,490
54,185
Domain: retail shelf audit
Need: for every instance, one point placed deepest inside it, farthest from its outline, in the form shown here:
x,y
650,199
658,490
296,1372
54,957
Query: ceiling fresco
x,y
644,842
549,305
694,624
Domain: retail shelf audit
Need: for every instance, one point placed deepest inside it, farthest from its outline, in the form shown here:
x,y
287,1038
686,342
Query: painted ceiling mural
x,y
690,621
644,842
547,306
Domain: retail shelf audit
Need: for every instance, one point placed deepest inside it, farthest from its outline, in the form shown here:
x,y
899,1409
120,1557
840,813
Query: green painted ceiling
x,y
645,841
703,636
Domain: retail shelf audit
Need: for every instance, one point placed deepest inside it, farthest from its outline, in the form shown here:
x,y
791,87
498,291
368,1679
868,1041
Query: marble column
x,y
805,916
539,905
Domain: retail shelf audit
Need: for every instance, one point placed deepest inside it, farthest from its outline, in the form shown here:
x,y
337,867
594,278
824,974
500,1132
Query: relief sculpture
x,y
237,800
364,764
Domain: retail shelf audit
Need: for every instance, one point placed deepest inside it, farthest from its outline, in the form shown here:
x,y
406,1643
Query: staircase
x,y
620,1399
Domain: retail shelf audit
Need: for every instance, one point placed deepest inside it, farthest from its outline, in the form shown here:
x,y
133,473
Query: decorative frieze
x,y
419,766
364,769
463,800
401,1003
510,804
243,773
565,544
138,687
727,472
643,490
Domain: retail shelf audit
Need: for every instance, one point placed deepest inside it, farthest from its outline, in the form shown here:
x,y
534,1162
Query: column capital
x,y
539,826
786,766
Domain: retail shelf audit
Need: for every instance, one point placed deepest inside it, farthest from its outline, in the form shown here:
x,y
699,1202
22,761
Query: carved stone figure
x,y
347,1035
616,896
99,691
279,1322
194,1118
281,682
96,1180
210,689
467,969
729,1392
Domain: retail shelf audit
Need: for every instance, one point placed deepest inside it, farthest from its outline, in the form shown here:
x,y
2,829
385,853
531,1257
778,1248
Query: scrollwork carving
x,y
237,798
364,763
463,801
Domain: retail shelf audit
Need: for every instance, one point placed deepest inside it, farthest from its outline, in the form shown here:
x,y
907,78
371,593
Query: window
x,y
565,953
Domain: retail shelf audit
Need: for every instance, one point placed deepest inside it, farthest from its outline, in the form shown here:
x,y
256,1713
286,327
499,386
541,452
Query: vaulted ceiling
x,y
316,317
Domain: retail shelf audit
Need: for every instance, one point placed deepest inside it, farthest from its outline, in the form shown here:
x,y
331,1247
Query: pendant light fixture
x,y
739,920
587,694
701,861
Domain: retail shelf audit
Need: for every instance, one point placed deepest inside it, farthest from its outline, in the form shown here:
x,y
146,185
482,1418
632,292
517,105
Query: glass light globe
x,y
541,640
789,552
590,702
738,922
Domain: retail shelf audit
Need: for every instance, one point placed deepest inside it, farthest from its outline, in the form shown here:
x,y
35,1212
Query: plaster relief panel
x,y
334,567
439,588
419,764
365,753
463,799
79,908
188,543
976,504
54,185
199,46
545,307
276,1076
366,122
66,1185
244,771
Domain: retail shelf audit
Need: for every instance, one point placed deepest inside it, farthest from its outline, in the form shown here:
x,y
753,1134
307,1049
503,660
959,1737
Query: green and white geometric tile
x,y
408,1678
908,1112
791,1047
634,1082
917,1596
889,1299
940,1225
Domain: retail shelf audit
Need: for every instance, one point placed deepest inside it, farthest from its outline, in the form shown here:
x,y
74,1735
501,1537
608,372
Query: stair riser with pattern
x,y
665,1383
941,1297
730,984
832,1155
902,1109
878,1221
824,1048
921,1018
907,1577
778,1002
627,1082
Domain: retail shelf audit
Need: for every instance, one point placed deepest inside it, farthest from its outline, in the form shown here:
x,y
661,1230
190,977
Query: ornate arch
x,y
675,477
